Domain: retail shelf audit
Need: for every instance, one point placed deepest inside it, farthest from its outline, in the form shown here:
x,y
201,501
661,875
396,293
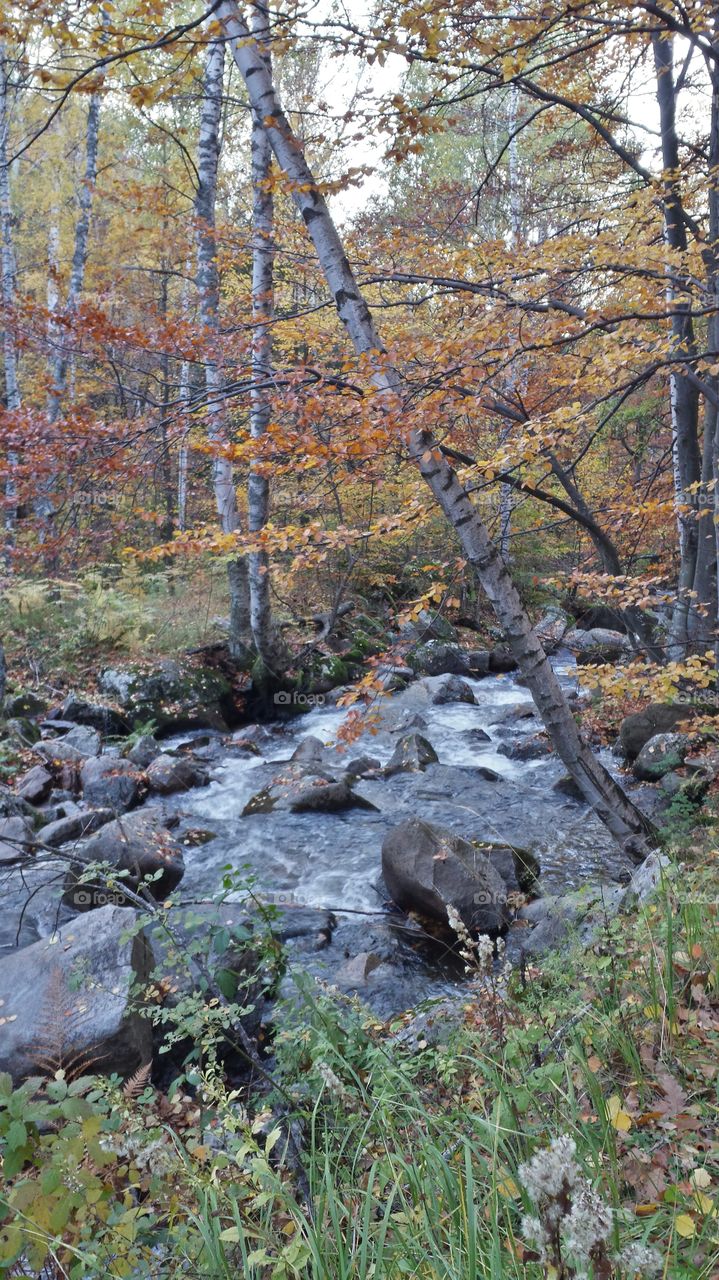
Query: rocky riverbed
x,y
306,815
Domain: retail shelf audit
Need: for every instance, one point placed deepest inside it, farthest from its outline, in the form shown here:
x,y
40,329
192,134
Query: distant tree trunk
x,y
266,638
208,286
7,265
596,784
506,492
183,454
684,398
712,271
61,337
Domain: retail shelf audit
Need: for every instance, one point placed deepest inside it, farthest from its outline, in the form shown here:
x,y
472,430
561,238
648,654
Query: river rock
x,y
428,626
427,868
175,773
22,730
661,754
361,766
645,881
25,703
171,696
47,1023
13,806
139,844
95,715
596,646
35,785
436,658
412,754
501,661
306,790
144,751
75,747
310,750
111,783
75,826
551,628
16,839
535,748
453,689
658,717
566,786
355,972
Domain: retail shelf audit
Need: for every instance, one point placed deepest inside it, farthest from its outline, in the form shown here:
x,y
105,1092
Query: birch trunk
x,y
208,286
264,634
7,268
506,492
684,399
61,338
607,798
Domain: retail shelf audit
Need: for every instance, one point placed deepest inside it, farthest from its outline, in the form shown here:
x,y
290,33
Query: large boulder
x,y
67,1001
171,696
661,754
411,755
306,790
452,689
16,839
551,628
658,717
597,645
139,845
438,658
25,703
175,773
427,868
78,744
429,626
74,826
111,783
106,720
35,785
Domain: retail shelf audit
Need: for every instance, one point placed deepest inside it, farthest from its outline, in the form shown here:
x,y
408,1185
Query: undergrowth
x,y
571,1132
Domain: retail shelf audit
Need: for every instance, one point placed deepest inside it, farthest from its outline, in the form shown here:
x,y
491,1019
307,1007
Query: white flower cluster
x,y
589,1222
477,953
552,1171
640,1260
157,1153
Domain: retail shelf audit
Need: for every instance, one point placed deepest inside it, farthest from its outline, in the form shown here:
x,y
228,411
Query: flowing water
x,y
333,860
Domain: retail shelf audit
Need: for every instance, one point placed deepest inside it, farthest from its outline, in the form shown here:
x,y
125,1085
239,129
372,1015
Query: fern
x,y
135,1083
53,1049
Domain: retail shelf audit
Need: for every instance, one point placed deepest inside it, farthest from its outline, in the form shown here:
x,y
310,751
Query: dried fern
x,y
135,1083
52,1049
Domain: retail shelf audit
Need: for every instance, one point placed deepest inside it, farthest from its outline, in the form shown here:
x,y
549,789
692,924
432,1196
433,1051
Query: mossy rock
x,y
172,697
24,703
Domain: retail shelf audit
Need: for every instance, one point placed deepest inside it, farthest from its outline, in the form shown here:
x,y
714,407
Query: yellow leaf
x,y
685,1226
700,1179
619,1118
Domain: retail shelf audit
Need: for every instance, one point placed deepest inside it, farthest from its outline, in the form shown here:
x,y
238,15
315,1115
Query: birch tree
x,y
596,784
264,634
60,336
7,268
208,287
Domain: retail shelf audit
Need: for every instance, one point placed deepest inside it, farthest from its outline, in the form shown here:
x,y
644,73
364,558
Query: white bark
x,y
506,492
264,635
596,784
208,286
7,276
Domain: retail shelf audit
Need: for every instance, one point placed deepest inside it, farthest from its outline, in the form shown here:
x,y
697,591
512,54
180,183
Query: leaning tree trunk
x,y
597,785
264,634
684,398
7,286
208,286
